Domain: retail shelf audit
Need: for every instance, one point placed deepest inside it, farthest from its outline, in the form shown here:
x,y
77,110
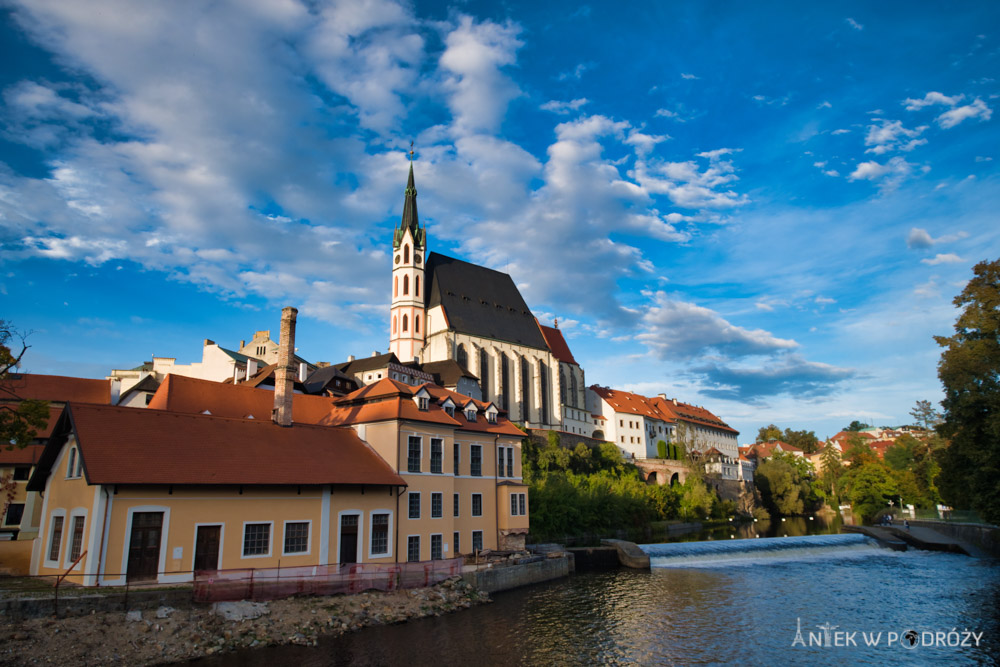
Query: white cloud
x,y
947,258
689,77
892,136
854,24
576,73
680,330
666,113
840,131
564,107
977,109
475,56
931,99
644,143
888,175
921,238
824,105
690,187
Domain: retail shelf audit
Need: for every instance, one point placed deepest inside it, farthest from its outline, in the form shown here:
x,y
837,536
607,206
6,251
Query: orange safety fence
x,y
273,583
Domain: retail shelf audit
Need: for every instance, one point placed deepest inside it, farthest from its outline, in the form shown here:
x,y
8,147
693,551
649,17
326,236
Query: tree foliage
x,y
969,370
870,487
925,415
855,426
20,419
784,484
804,440
769,432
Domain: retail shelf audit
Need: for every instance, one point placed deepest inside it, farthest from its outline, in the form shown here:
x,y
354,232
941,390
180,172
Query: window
x,y
470,415
491,416
522,504
437,548
395,286
416,323
256,539
393,324
513,504
55,539
450,410
414,505
413,454
21,473
296,537
380,534
457,456
72,462
406,290
621,422
437,505
476,461
455,504
413,548
437,454
500,461
405,323
16,510
477,540
423,403
406,254
477,504
456,543
416,292
510,461
76,546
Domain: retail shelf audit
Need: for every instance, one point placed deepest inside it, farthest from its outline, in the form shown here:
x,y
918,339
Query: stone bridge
x,y
662,471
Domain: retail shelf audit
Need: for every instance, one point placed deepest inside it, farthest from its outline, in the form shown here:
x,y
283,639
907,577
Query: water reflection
x,y
795,526
693,616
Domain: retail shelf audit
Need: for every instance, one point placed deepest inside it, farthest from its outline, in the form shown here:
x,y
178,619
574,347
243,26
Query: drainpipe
x,y
104,528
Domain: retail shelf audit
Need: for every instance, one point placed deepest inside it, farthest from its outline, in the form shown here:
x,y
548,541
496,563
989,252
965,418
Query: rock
x,y
164,612
238,611
133,616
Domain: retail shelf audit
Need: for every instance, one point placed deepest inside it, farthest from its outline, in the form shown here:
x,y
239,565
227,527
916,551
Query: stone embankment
x,y
167,635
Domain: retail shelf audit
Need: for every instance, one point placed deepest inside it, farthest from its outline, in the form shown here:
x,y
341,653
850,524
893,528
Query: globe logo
x,y
909,639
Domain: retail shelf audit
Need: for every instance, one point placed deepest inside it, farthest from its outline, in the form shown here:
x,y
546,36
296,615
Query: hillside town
x,y
254,457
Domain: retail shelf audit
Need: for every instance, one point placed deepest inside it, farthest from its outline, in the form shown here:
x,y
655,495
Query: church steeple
x,y
410,220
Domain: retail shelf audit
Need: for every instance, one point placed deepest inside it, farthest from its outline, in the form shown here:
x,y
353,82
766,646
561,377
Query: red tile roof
x,y
629,403
178,393
766,449
19,456
557,344
141,446
680,411
55,388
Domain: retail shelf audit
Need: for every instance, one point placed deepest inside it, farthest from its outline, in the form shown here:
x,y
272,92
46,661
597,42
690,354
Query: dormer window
x,y
450,409
422,402
470,414
491,417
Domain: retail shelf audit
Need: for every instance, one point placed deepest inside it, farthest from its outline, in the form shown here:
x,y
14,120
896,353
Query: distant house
x,y
761,451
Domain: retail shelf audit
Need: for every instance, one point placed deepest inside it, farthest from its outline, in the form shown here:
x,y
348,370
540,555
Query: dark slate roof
x,y
446,373
480,301
367,363
319,379
410,220
236,356
148,383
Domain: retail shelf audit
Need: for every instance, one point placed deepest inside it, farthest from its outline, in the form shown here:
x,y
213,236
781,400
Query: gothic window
x,y
416,324
525,389
562,385
405,323
416,286
543,380
504,383
574,400
406,285
406,254
462,357
484,373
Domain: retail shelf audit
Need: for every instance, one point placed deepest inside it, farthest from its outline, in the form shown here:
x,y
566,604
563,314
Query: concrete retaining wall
x,y
984,536
497,579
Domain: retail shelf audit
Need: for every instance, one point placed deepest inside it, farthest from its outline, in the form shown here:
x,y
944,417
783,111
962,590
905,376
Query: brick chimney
x,y
284,374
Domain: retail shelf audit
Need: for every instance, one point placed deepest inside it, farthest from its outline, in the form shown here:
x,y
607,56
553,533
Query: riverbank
x,y
168,635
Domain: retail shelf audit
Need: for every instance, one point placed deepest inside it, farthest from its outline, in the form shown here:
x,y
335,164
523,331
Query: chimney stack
x,y
284,374
350,357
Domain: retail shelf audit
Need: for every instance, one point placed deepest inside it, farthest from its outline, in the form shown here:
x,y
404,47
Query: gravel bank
x,y
172,635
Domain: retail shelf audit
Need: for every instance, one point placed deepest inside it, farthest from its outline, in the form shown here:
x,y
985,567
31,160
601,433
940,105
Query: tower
x,y
407,316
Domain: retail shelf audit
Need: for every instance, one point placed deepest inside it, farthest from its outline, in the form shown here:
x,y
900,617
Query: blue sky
x,y
755,207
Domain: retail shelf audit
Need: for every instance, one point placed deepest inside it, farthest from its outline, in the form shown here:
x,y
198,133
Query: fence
x,y
274,583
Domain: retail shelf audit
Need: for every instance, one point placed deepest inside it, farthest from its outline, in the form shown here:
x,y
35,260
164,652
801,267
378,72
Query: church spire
x,y
410,220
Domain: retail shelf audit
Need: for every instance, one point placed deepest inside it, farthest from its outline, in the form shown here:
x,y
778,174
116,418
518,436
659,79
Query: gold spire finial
x,y
411,151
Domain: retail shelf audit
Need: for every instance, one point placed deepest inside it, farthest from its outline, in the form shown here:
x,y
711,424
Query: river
x,y
724,601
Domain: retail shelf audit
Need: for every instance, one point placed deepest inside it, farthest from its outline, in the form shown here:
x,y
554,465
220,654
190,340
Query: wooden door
x,y
349,538
206,548
144,545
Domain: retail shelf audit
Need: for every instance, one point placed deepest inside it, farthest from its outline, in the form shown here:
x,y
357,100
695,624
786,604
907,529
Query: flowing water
x,y
724,601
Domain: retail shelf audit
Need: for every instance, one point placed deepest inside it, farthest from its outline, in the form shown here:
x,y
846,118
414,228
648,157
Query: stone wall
x,y
497,579
982,535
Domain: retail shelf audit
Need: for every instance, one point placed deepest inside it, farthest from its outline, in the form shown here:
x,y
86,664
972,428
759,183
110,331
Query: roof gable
x,y
557,344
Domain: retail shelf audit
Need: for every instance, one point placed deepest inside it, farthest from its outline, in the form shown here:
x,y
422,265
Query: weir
x,y
729,553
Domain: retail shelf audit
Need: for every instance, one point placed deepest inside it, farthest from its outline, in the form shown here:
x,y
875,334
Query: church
x,y
447,309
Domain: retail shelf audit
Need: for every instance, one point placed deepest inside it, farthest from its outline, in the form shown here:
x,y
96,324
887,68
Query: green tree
x,y
696,499
769,432
858,451
902,454
20,419
970,372
829,479
855,426
804,440
784,484
870,487
661,449
925,415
